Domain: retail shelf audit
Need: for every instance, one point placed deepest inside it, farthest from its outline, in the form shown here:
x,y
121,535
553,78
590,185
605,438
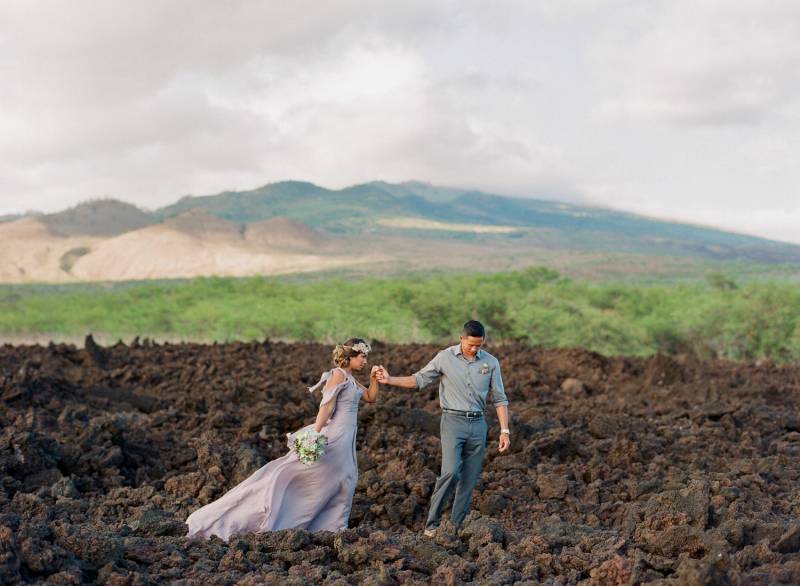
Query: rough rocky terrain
x,y
664,470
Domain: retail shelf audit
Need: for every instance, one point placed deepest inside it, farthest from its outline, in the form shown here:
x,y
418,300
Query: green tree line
x,y
712,318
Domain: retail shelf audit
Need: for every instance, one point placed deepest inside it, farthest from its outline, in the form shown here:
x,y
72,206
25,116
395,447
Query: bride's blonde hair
x,y
350,349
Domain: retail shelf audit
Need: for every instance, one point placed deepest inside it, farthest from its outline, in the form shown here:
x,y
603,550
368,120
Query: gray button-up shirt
x,y
464,384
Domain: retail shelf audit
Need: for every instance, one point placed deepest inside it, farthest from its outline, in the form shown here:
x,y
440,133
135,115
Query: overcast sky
x,y
680,109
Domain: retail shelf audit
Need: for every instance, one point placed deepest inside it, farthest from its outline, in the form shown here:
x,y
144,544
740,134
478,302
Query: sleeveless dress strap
x,y
326,375
332,393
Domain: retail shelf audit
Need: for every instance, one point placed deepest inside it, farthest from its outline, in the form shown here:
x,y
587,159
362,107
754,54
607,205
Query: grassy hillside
x,y
427,191
358,209
717,317
350,210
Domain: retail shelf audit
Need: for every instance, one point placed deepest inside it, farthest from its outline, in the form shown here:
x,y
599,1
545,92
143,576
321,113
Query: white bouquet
x,y
309,446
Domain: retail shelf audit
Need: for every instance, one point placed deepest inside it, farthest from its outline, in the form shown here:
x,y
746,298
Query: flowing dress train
x,y
285,493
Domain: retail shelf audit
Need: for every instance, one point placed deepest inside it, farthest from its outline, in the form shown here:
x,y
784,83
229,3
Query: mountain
x,y
364,209
375,227
343,211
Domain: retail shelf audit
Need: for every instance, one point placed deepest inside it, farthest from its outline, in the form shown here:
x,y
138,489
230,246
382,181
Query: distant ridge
x,y
100,217
423,189
365,208
296,226
245,207
12,217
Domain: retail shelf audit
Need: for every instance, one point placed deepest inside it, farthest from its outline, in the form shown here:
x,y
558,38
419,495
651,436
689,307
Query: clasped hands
x,y
382,374
379,374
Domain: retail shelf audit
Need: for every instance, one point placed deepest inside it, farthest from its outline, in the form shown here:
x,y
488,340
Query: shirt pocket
x,y
483,379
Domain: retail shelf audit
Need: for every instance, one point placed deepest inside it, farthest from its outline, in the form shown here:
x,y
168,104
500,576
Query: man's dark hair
x,y
475,329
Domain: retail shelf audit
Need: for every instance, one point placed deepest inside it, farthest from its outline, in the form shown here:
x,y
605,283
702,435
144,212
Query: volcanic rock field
x,y
662,470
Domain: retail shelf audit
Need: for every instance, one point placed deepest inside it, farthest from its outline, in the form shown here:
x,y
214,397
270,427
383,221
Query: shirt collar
x,y
457,351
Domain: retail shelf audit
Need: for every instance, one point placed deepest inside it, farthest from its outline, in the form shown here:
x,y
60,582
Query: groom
x,y
466,373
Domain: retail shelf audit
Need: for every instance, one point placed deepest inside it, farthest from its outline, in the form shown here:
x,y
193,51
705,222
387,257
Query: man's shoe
x,y
430,532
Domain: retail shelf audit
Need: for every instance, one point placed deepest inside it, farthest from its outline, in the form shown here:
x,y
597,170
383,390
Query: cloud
x,y
640,106
703,64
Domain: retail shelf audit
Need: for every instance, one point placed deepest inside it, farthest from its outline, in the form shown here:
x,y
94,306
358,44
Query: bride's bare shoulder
x,y
337,377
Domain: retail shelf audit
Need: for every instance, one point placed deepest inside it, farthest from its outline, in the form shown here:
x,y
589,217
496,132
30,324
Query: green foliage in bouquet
x,y
309,446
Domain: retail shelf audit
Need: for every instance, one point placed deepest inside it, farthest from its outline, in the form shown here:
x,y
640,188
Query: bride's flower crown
x,y
361,348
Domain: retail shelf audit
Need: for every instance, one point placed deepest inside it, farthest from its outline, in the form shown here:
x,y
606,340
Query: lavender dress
x,y
285,493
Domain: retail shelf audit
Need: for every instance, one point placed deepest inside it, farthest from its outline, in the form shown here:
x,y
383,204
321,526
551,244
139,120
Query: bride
x,y
286,493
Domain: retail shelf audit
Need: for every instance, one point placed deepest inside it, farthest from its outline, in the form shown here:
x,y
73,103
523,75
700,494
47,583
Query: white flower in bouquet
x,y
309,446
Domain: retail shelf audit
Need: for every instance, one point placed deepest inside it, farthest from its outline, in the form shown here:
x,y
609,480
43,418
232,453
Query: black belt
x,y
467,414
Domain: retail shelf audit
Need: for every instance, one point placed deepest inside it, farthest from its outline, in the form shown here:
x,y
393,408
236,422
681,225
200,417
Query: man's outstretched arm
x,y
408,382
430,373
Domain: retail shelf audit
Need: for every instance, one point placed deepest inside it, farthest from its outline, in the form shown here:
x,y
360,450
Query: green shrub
x,y
709,318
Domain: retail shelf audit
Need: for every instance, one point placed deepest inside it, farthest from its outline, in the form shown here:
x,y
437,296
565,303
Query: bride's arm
x,y
371,394
323,416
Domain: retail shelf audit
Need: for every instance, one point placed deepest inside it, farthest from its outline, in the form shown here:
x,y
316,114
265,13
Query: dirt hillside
x,y
170,251
285,233
190,245
204,226
31,253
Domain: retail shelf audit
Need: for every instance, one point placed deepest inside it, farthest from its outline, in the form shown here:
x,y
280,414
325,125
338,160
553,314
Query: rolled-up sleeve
x,y
430,373
497,388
